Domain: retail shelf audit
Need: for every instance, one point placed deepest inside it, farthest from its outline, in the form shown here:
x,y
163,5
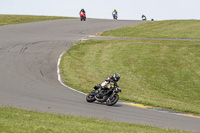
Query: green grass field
x,y
182,29
16,19
158,73
21,121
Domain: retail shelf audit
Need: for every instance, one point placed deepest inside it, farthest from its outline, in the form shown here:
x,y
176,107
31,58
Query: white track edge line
x,y
59,76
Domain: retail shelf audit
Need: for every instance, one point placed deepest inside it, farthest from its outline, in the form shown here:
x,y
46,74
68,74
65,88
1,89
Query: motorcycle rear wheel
x,y
112,100
91,97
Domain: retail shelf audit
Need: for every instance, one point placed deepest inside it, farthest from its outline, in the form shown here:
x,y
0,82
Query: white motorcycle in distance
x,y
114,15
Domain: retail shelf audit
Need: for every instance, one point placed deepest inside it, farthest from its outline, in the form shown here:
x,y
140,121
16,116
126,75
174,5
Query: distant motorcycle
x,y
114,15
82,16
110,95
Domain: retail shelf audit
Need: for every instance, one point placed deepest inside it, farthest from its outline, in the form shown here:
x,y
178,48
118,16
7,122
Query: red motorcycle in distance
x,y
82,16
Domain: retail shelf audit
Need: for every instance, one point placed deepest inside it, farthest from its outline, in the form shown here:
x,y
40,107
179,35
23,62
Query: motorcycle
x,y
109,96
114,15
82,16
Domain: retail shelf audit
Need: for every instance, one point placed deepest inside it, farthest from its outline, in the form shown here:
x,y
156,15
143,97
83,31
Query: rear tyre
x,y
112,100
91,97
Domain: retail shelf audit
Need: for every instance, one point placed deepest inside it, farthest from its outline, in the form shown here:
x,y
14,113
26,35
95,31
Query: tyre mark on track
x,y
41,73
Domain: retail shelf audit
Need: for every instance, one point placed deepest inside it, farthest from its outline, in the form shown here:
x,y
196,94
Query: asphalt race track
x,y
28,74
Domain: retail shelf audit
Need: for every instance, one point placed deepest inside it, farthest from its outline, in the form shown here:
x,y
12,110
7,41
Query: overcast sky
x,y
127,9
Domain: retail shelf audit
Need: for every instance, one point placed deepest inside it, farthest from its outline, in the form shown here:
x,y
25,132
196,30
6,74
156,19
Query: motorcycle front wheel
x,y
91,97
112,100
81,18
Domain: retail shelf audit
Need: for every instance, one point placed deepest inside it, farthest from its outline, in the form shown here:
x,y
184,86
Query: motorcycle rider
x,y
82,10
114,12
144,18
107,85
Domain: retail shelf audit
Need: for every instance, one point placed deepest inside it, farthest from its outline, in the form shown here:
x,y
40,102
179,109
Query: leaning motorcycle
x,y
110,95
82,16
114,15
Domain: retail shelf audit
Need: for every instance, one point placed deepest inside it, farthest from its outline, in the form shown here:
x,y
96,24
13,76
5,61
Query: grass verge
x,y
181,29
23,121
16,19
158,73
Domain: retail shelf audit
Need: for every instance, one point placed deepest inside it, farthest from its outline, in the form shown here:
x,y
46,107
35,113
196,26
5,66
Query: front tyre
x,y
91,97
112,100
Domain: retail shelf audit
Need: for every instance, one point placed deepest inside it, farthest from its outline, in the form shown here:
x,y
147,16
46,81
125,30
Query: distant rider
x,y
114,13
108,83
144,18
82,10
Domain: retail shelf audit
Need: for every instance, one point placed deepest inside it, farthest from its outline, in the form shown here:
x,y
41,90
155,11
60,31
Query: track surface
x,y
28,80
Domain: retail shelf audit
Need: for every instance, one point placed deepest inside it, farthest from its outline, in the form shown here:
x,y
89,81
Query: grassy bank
x,y
158,73
16,19
22,121
182,29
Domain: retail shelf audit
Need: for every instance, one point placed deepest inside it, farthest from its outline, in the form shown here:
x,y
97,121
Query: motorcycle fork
x,y
111,95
